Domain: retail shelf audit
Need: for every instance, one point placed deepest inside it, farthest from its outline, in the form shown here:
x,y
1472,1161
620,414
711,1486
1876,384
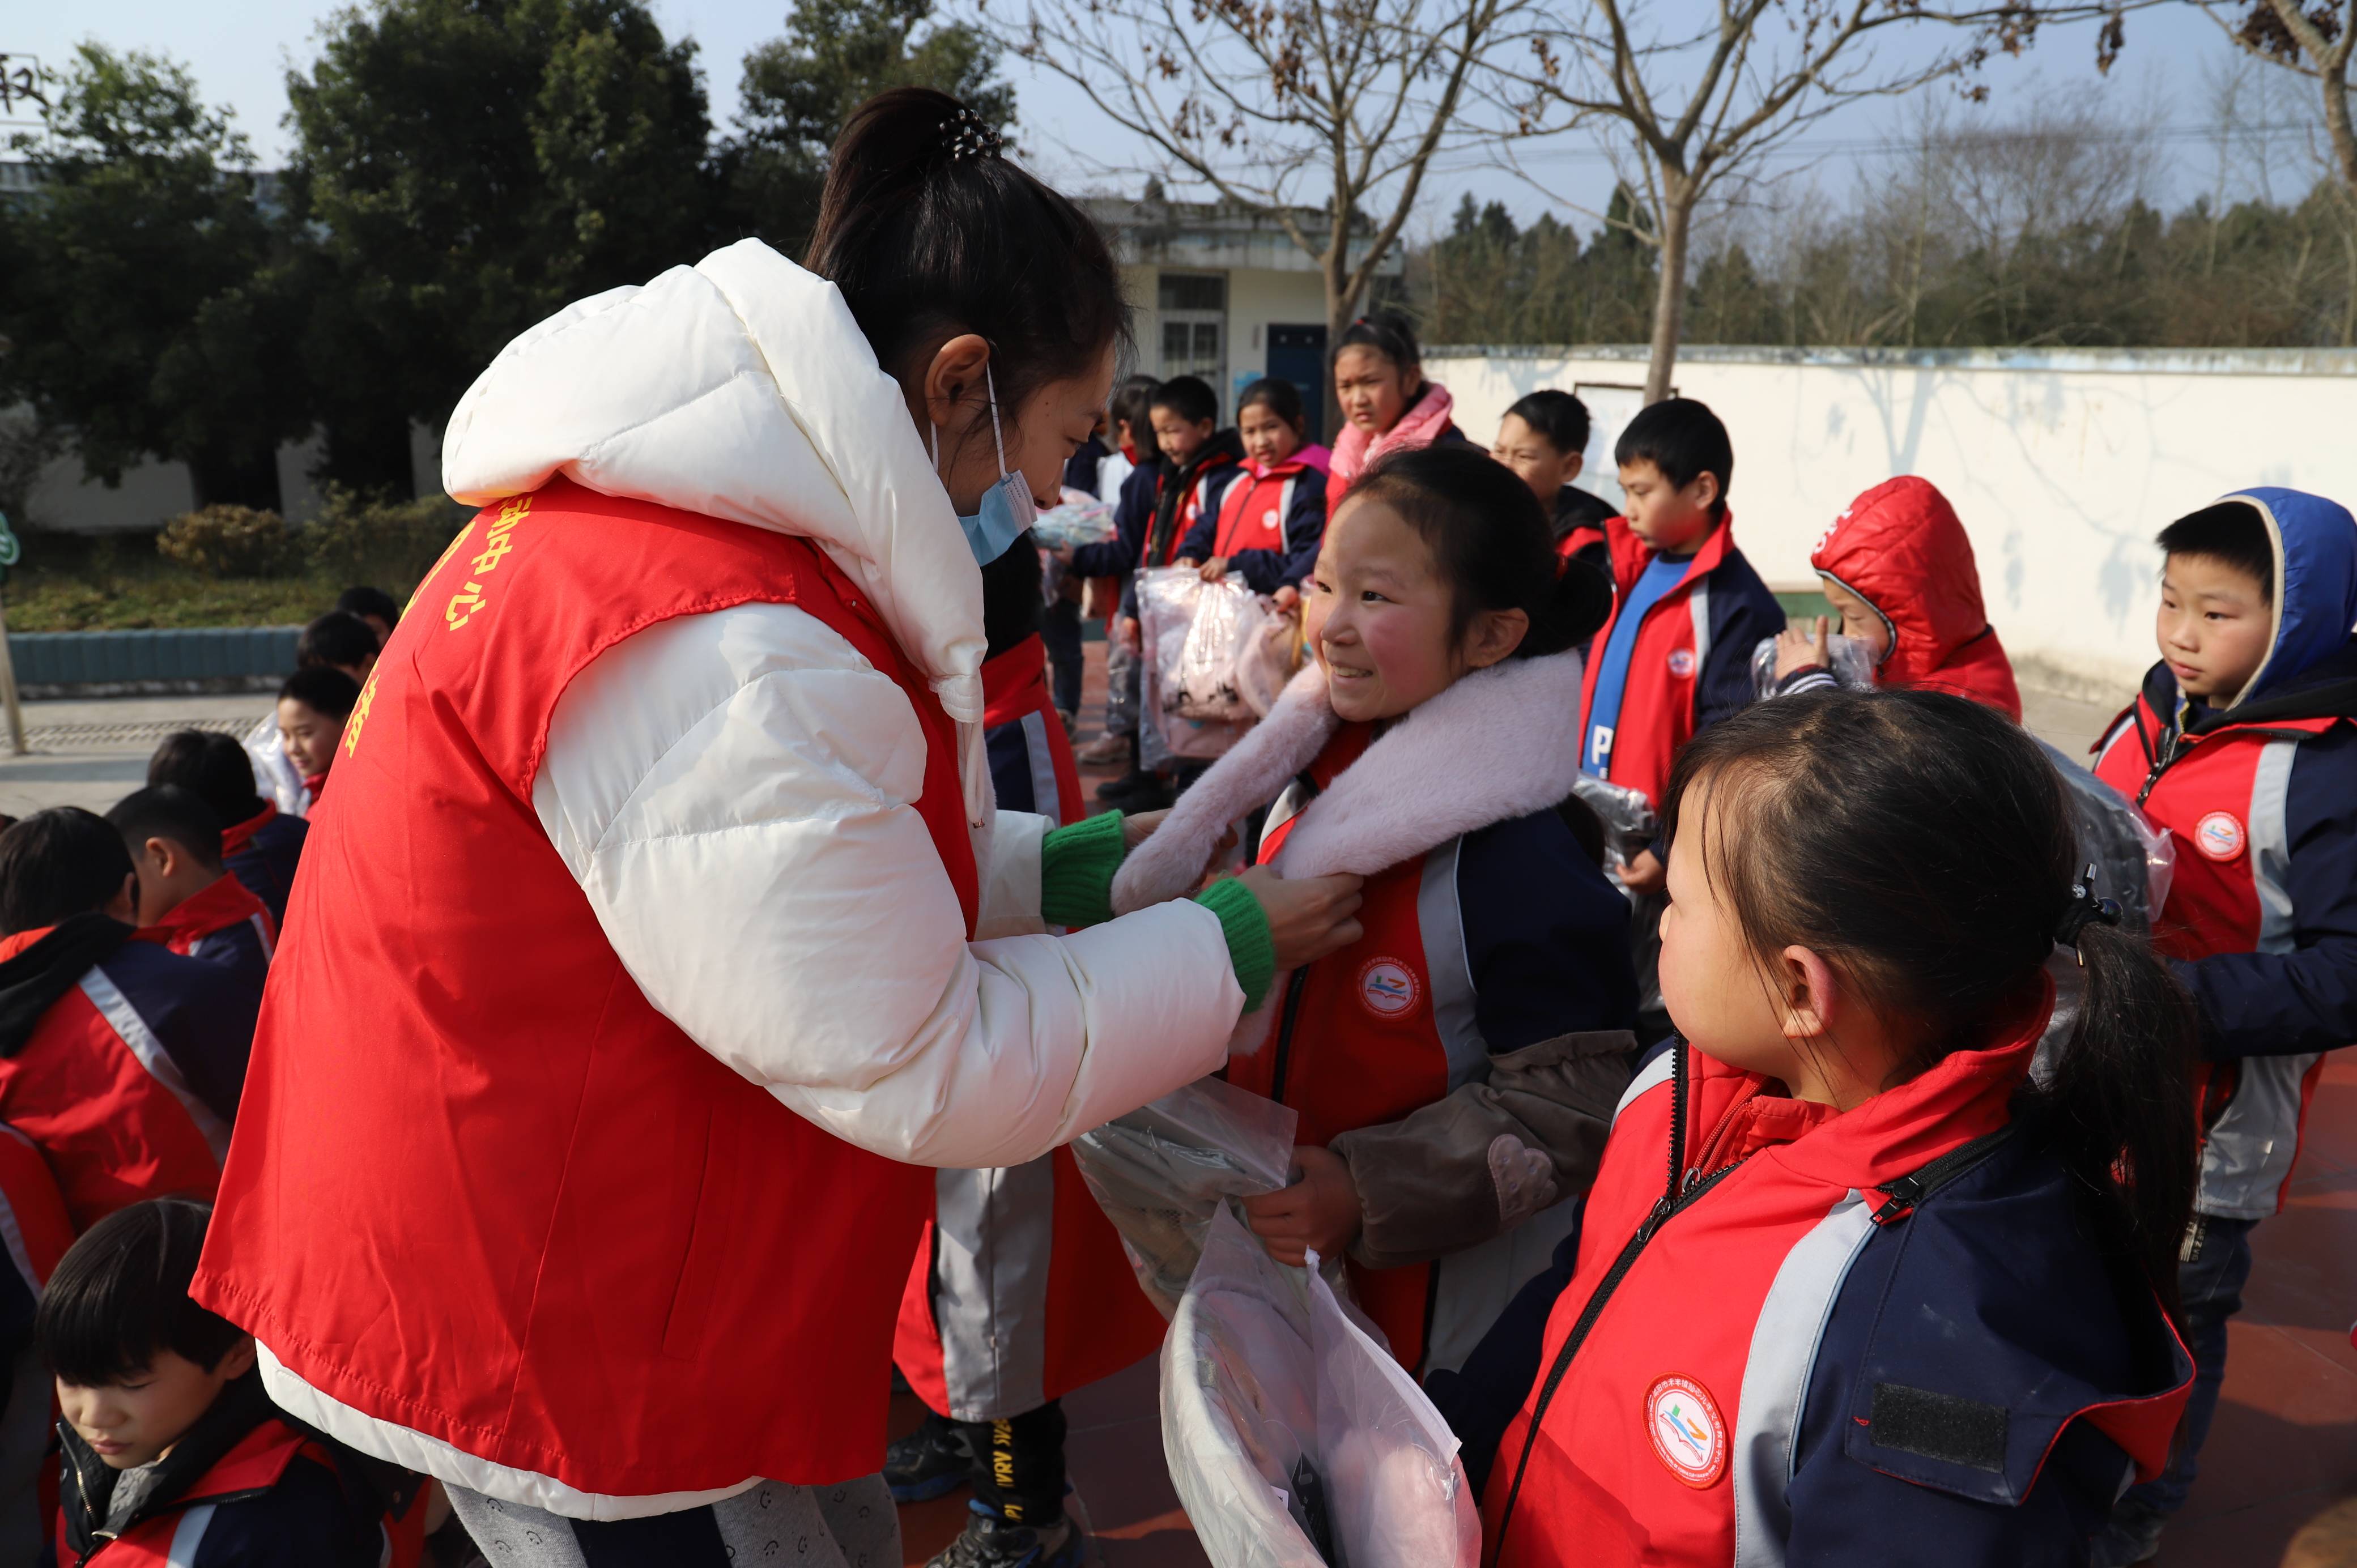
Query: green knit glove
x,y
1246,925
1076,867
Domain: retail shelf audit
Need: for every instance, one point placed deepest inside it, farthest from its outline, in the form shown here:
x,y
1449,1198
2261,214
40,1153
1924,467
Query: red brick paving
x,y
2283,1449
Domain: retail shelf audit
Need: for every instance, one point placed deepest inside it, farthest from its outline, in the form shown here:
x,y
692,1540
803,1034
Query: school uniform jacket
x,y
1133,511
224,923
1578,523
242,1489
122,1062
35,1233
1486,930
1691,663
689,804
1803,1363
263,852
1268,525
1901,549
2260,799
1020,1291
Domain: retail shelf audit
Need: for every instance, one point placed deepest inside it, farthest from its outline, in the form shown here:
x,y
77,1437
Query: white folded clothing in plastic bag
x,y
1852,664
1161,1172
1629,817
1190,630
1294,1438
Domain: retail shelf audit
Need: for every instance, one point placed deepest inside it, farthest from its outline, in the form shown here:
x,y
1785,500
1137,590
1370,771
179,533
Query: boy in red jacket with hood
x,y
1898,568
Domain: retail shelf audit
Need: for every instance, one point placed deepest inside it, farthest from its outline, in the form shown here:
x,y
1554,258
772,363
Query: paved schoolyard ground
x,y
2285,1445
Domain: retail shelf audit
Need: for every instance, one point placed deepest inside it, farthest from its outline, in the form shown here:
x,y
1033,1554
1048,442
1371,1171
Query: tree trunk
x,y
1670,301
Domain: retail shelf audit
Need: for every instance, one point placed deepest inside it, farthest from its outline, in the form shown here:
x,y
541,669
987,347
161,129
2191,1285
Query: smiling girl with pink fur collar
x,y
1454,1070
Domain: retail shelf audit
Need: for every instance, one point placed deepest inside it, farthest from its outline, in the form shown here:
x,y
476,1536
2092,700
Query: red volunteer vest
x,y
1252,514
481,1188
1360,1038
2222,802
86,1090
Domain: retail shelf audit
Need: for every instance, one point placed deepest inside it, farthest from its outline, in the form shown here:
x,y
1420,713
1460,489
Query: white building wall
x,y
2062,465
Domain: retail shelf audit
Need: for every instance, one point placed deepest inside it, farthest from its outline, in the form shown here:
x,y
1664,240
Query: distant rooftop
x,y
1214,235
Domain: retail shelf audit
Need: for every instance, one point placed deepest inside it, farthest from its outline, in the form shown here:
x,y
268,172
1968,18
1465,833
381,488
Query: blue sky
x,y
240,53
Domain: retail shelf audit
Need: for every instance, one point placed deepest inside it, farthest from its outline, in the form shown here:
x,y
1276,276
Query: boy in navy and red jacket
x,y
1021,1293
2242,744
188,900
121,1060
261,845
170,1452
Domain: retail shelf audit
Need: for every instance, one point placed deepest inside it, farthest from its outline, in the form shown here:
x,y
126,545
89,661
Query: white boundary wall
x,y
2063,464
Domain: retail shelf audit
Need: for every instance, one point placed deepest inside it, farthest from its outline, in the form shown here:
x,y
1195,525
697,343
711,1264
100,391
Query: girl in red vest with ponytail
x,y
1852,1286
663,926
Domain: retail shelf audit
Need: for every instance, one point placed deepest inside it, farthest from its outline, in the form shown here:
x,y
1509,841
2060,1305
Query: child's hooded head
x,y
1439,562
2217,621
137,1361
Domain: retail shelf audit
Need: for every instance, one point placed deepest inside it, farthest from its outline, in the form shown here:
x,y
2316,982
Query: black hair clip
x,y
2085,909
969,137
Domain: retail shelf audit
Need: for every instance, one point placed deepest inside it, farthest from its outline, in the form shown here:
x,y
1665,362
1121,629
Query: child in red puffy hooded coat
x,y
1898,568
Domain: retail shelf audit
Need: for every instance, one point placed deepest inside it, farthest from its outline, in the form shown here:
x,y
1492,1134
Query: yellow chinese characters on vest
x,y
497,541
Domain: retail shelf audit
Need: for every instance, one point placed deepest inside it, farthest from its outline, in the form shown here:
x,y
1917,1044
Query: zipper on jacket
x,y
1292,987
1686,1187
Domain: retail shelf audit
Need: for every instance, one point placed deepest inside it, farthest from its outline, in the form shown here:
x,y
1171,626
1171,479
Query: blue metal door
x,y
1297,354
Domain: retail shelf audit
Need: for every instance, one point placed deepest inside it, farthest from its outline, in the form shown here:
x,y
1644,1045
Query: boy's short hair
x,y
168,811
59,864
1559,417
2231,532
364,601
1188,397
119,1296
211,766
1684,440
338,638
323,689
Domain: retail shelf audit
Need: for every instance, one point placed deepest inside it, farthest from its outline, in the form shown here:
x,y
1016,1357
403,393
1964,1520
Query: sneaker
x,y
931,1462
990,1542
1103,750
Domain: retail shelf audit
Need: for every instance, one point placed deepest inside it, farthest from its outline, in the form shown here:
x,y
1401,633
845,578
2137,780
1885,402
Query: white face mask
x,y
1007,508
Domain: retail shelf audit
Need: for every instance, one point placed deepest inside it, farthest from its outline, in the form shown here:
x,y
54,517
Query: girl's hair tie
x,y
968,136
2085,909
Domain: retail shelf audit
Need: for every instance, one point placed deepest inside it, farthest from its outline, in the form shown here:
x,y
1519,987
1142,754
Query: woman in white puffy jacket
x,y
662,926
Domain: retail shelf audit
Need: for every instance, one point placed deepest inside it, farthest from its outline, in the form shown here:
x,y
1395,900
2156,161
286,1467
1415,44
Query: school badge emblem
x,y
2218,835
1681,662
1689,1435
1387,987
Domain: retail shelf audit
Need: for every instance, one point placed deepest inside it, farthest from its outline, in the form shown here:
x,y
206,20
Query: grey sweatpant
x,y
847,1526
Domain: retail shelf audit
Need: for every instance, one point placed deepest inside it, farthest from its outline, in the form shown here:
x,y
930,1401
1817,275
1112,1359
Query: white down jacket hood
x,y
742,388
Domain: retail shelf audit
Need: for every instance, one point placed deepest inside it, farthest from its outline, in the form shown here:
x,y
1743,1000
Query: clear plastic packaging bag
x,y
2134,860
1268,660
1629,817
1853,666
1190,630
1294,1438
1078,520
1161,1172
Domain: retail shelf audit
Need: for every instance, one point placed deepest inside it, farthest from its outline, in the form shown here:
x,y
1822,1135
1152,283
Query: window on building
x,y
1194,311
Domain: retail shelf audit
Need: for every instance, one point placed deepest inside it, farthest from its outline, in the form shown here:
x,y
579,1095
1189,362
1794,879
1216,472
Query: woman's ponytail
x,y
2117,1103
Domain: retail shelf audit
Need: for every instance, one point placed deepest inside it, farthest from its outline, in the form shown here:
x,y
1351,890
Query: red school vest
x,y
1380,1029
1665,662
480,1187
1252,512
2223,803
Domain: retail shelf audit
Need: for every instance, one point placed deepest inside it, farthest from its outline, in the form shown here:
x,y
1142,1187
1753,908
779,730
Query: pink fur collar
x,y
1499,743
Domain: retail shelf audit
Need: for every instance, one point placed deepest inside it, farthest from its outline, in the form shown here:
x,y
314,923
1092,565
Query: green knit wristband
x,y
1076,867
1246,925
